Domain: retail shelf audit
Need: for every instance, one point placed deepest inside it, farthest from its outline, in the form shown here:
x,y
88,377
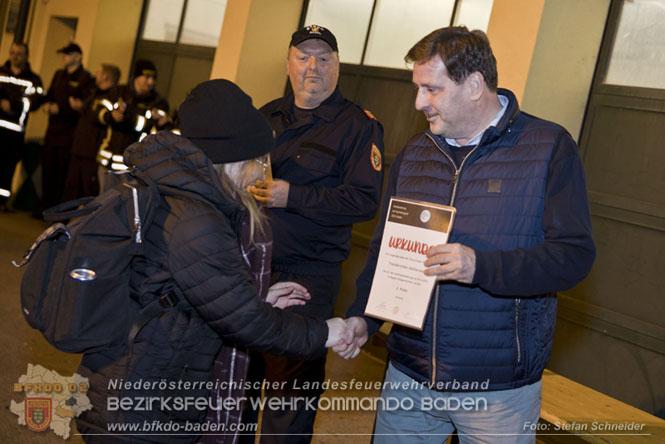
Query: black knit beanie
x,y
219,118
144,67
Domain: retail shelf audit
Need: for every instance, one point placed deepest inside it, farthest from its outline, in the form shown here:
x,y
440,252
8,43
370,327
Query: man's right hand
x,y
118,114
336,332
271,193
355,338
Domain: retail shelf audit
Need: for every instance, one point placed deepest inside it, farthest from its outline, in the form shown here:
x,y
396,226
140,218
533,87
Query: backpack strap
x,y
69,210
51,232
152,310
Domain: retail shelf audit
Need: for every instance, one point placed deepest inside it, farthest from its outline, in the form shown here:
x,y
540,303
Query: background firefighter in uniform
x,y
82,178
20,93
64,105
327,171
138,111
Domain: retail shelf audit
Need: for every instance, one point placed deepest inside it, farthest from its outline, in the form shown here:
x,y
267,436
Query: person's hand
x,y
118,114
51,108
355,338
162,117
75,104
453,262
286,294
271,193
6,106
336,331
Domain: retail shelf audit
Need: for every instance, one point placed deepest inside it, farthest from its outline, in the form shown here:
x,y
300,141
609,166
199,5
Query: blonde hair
x,y
239,193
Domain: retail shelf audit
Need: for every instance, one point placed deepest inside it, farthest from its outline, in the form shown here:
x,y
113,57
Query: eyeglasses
x,y
264,161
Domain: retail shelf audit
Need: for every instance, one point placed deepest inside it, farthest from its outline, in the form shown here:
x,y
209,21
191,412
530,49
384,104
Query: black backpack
x,y
76,285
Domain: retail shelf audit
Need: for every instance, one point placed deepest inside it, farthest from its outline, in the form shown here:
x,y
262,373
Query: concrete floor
x,y
23,346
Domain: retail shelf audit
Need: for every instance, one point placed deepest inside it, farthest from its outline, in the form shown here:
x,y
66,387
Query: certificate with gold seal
x,y
400,290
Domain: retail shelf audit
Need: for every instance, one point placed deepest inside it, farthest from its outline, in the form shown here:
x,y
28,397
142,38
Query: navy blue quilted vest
x,y
482,341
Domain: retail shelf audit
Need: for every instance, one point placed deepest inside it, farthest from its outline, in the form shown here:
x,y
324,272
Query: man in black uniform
x,y
139,109
20,92
327,175
82,179
70,85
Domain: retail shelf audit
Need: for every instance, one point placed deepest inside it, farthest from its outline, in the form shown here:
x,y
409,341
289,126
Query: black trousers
x,y
55,161
82,179
11,146
295,424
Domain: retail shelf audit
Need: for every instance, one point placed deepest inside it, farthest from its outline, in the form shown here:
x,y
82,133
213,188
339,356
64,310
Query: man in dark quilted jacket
x,y
522,232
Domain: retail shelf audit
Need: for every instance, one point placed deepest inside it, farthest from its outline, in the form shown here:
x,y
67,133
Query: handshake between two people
x,y
347,336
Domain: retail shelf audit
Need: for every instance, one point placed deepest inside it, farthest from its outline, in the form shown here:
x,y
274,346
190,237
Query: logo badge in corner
x,y
38,413
376,158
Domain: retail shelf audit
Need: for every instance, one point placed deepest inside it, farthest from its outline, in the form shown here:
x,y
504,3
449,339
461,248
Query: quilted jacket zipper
x,y
137,216
453,193
517,330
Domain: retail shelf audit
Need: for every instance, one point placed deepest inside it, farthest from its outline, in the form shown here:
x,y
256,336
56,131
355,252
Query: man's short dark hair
x,y
112,71
462,51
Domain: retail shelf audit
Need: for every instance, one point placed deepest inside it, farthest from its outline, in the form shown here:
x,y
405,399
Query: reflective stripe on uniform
x,y
118,166
140,122
11,126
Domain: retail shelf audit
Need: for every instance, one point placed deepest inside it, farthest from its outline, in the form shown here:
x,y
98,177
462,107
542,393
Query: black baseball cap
x,y
70,49
314,32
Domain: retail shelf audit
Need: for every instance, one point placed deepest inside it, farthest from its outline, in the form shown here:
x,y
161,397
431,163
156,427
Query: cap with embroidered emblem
x,y
314,32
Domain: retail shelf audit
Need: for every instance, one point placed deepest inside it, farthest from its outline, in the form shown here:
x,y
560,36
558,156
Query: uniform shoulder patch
x,y
376,160
369,114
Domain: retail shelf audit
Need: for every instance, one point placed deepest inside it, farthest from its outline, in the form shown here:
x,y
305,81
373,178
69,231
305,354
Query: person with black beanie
x,y
198,247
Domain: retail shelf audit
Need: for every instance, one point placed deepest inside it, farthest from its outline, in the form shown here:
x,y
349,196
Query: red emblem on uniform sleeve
x,y
376,158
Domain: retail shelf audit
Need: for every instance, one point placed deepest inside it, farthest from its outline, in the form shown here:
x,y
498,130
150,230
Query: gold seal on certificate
x,y
400,290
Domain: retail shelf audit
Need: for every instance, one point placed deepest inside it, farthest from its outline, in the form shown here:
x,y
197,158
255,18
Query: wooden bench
x,y
571,410
572,413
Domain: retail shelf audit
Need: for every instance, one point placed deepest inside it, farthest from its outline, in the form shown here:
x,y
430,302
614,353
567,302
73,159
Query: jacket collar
x,y
492,133
76,72
327,110
509,116
25,72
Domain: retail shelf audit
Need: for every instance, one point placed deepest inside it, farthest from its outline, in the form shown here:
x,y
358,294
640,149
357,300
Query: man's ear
x,y
475,84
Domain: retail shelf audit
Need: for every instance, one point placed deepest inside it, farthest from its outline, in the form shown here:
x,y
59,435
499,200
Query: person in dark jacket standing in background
x,y
138,111
82,178
20,93
64,105
193,260
328,172
522,232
